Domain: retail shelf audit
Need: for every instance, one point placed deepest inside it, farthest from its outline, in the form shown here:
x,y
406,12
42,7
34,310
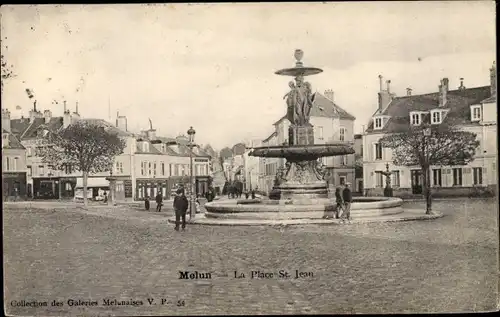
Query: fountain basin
x,y
304,152
315,208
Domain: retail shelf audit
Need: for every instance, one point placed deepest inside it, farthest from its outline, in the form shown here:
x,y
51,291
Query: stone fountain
x,y
303,176
303,190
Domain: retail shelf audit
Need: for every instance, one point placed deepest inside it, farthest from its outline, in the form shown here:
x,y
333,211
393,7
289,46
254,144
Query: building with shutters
x,y
476,107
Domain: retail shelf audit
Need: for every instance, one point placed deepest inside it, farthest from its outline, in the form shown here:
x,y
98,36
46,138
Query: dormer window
x,y
436,117
378,123
475,113
415,118
145,146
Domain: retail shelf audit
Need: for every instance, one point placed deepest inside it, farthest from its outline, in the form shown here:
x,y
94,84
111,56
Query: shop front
x,y
202,183
96,187
67,187
122,187
14,185
151,187
46,188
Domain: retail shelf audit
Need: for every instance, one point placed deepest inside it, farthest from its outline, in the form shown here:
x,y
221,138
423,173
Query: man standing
x,y
159,201
347,197
181,205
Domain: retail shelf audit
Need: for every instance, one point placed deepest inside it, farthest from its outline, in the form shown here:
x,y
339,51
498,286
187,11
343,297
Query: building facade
x,y
14,170
476,110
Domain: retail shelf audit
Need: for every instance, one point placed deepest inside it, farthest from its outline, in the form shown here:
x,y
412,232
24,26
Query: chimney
x,y
152,134
47,114
388,83
461,87
380,82
329,94
34,113
6,120
66,117
493,79
384,96
443,92
75,116
408,91
121,123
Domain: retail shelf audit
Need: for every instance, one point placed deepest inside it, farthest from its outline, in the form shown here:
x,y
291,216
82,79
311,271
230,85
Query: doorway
x,y
416,182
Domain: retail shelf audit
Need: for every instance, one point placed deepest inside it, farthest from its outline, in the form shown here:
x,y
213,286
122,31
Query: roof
x,y
324,107
270,137
109,126
490,99
170,150
13,142
458,102
18,126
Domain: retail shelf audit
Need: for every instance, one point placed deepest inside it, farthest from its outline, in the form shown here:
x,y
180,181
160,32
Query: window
x,y
457,177
342,134
378,123
344,160
162,169
29,151
143,168
436,177
68,168
342,180
415,118
378,151
41,170
436,117
29,170
478,175
154,168
14,167
7,163
320,133
145,147
475,113
149,168
177,170
379,179
395,178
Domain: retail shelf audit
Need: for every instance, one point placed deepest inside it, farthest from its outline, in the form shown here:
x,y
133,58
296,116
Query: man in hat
x,y
347,198
181,205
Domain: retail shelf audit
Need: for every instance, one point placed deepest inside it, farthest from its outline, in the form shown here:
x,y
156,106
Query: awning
x,y
92,182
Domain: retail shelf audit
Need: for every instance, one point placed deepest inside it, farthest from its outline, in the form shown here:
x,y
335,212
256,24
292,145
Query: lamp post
x,y
191,132
427,169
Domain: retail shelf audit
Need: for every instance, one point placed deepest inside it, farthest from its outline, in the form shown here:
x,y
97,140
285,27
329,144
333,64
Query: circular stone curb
x,y
410,216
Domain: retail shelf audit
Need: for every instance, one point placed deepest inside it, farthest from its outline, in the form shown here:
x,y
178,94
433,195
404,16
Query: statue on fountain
x,y
388,188
299,102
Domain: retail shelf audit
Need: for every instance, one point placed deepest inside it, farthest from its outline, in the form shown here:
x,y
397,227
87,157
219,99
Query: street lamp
x,y
191,132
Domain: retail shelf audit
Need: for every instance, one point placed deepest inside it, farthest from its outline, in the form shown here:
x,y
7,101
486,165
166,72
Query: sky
x,y
211,66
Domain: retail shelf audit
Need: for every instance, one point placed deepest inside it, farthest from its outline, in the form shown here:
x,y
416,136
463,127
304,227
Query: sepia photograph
x,y
285,158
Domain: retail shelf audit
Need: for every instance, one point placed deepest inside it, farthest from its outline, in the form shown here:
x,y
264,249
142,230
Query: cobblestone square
x,y
448,264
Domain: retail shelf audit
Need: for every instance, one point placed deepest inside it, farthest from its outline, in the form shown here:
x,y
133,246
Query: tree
x,y
6,71
86,147
431,145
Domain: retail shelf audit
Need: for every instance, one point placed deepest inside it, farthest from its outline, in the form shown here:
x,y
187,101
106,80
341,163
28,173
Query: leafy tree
x,y
87,147
431,145
6,71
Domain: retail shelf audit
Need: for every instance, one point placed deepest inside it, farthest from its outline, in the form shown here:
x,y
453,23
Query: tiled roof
x,y
110,127
18,126
31,131
324,107
491,99
458,102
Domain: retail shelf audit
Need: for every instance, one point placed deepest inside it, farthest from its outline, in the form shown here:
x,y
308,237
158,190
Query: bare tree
x,y
87,147
429,145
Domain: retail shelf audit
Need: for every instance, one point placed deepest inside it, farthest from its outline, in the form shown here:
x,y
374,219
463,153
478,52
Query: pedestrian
x,y
247,194
159,201
181,205
339,203
253,193
347,198
105,197
197,206
146,203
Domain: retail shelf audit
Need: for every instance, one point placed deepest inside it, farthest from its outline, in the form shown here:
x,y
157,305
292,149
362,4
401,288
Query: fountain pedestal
x,y
303,179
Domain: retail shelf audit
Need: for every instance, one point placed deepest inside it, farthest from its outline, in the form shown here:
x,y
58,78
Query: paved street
x,y
130,255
